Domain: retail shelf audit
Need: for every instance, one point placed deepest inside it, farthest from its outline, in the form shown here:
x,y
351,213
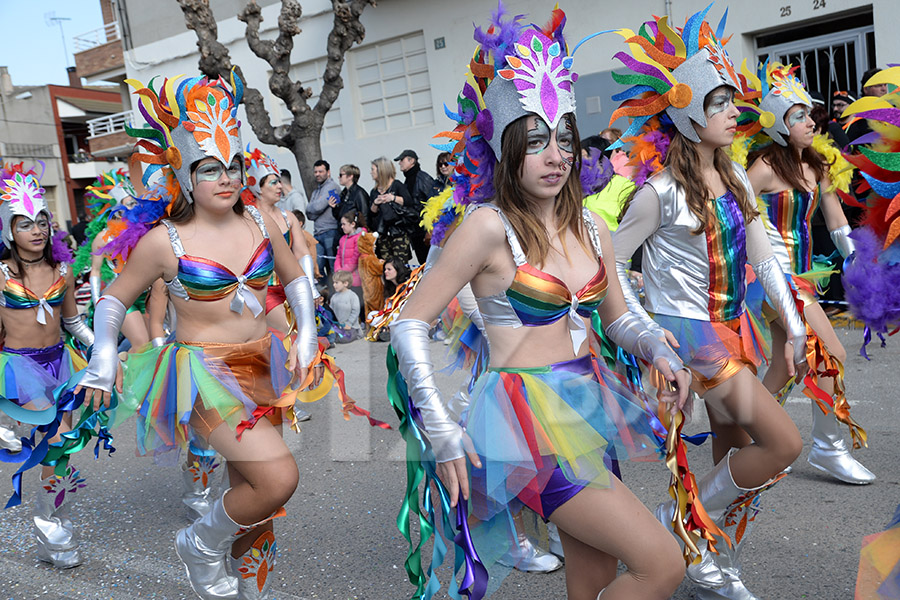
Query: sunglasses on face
x,y
444,164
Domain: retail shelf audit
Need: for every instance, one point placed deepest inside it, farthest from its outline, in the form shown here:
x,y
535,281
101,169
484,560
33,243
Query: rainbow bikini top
x,y
16,296
207,280
791,212
538,298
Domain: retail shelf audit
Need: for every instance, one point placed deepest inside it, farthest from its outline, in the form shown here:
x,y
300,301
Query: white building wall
x,y
346,139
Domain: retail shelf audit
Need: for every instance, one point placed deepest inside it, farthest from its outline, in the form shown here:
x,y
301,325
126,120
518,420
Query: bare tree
x,y
302,135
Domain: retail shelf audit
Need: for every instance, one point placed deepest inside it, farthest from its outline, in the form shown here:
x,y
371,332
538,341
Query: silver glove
x,y
773,280
96,284
309,269
81,332
409,337
158,341
629,333
101,370
842,240
299,296
634,303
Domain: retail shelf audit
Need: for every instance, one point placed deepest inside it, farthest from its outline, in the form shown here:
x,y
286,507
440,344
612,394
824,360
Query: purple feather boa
x,y
871,283
596,171
505,34
59,249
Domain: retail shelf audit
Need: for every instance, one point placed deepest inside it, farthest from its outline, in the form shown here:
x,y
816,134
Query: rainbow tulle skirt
x,y
529,426
715,351
29,378
180,390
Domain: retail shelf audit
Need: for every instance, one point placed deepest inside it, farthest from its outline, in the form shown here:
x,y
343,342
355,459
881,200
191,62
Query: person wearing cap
x,y
323,199
419,185
856,127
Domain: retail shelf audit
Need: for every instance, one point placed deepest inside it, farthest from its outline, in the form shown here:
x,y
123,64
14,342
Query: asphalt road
x,y
339,540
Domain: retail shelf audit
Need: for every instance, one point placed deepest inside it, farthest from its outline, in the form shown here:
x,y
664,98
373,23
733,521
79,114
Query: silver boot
x,y
203,547
56,538
830,452
8,438
198,485
254,568
525,555
705,573
556,546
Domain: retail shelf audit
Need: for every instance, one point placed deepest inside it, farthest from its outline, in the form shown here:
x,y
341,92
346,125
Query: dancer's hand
x,y
796,370
670,338
680,382
120,376
454,474
94,397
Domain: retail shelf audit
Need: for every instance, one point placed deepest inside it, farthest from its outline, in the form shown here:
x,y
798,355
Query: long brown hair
x,y
521,212
788,163
682,160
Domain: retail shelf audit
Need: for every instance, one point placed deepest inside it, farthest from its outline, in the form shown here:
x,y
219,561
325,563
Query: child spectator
x,y
345,305
310,240
353,224
325,319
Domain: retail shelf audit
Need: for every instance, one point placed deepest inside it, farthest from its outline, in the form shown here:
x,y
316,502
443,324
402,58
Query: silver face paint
x,y
25,224
720,102
798,116
539,138
212,171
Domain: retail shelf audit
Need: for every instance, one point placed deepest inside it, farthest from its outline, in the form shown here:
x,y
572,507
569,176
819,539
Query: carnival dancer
x,y
871,275
223,351
699,227
110,194
545,414
792,177
37,299
263,189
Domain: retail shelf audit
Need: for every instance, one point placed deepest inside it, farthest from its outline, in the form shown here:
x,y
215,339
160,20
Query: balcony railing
x,y
110,123
97,37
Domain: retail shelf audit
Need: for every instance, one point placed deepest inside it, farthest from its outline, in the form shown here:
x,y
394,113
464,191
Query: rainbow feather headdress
x,y
188,120
108,191
672,71
516,70
766,98
22,196
257,165
872,273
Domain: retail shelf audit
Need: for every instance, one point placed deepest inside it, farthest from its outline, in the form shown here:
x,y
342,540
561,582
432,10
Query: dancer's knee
x,y
789,448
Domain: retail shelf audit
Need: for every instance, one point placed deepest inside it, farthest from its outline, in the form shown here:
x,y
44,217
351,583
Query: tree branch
x,y
347,30
278,54
215,61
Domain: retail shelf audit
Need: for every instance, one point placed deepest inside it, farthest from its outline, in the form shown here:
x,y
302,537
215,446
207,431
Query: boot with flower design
x,y
55,533
199,489
254,567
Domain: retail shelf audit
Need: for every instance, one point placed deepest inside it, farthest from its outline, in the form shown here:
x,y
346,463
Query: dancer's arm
x,y
71,320
157,305
628,331
836,220
96,282
467,253
640,221
773,280
149,261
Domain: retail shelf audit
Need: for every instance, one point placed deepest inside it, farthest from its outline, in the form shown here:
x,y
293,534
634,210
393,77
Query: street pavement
x,y
339,539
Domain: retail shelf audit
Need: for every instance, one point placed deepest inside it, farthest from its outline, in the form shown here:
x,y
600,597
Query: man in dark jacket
x,y
419,184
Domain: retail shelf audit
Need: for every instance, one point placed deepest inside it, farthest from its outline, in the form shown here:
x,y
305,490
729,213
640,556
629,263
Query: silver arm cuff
x,y
634,303
101,371
433,253
81,332
158,342
299,296
774,282
95,288
842,240
630,334
409,337
309,269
